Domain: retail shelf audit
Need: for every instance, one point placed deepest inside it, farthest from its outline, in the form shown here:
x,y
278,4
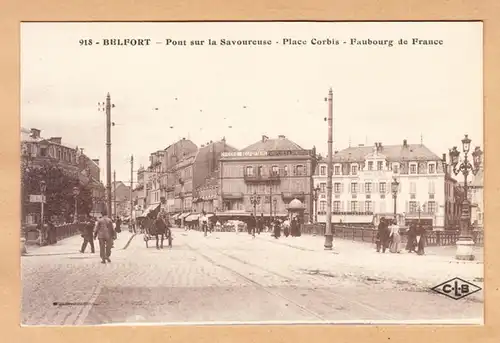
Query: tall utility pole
x,y
114,193
131,186
328,231
108,152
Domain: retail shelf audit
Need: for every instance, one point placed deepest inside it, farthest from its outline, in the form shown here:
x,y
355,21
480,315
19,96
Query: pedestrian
x,y
383,235
51,232
395,238
421,240
294,227
204,223
104,232
87,235
412,238
252,225
118,224
277,228
260,223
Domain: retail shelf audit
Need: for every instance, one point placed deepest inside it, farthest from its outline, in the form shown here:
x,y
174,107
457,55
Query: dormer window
x,y
337,170
395,168
432,168
354,169
370,165
380,165
413,168
323,170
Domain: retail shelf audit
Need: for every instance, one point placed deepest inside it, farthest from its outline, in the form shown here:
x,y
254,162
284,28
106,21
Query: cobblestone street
x,y
229,277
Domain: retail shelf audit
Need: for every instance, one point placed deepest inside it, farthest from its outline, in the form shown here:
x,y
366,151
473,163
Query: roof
x,y
267,144
295,204
412,152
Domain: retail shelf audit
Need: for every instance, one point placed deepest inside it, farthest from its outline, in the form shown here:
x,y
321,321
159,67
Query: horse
x,y
161,228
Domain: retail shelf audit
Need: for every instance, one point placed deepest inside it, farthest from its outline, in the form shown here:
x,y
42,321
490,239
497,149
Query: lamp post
x,y
316,191
465,242
254,200
395,189
275,204
76,192
43,189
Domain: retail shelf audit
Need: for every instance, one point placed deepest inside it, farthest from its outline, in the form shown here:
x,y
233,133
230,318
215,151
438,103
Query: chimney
x,y
223,139
405,143
264,138
444,158
96,161
56,140
35,133
380,146
281,136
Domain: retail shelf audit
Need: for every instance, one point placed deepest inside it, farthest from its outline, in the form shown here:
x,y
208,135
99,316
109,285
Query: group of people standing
x,y
290,227
389,237
105,231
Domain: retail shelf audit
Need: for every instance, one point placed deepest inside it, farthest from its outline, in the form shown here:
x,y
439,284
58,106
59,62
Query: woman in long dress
x,y
395,246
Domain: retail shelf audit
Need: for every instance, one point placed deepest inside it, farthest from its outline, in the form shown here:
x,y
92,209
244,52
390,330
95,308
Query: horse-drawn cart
x,y
154,231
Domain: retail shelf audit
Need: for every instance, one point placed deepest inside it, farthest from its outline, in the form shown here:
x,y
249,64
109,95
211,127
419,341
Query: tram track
x,y
355,303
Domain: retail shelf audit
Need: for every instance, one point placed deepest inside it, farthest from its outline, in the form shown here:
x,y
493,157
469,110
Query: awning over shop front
x,y
184,215
192,217
175,216
210,215
233,214
150,209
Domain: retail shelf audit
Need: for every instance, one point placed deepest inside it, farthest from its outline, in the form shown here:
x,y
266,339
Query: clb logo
x,y
456,288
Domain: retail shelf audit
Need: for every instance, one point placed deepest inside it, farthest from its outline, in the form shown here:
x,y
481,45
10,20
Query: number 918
x,y
85,42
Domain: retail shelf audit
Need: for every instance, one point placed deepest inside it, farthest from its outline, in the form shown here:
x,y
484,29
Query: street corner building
x,y
271,177
362,180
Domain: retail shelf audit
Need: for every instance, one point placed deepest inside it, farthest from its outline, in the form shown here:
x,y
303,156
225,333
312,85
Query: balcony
x,y
273,177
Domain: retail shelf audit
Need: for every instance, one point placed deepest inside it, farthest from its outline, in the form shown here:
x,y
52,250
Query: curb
x,y
129,241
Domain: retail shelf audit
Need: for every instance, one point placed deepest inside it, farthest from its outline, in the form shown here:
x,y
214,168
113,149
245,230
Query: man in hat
x,y
104,232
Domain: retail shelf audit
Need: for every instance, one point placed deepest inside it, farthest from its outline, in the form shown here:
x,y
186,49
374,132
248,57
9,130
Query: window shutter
x,y
342,206
436,207
361,206
361,187
387,187
407,207
342,187
349,188
374,207
375,187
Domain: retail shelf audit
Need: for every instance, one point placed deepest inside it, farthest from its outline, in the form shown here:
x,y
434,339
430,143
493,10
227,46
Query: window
x,y
432,187
275,170
413,188
382,187
322,206
368,206
337,170
354,187
354,206
322,187
413,206
337,188
395,168
336,206
432,168
43,152
368,187
259,171
370,165
299,170
323,170
249,171
285,170
380,165
413,168
431,206
354,169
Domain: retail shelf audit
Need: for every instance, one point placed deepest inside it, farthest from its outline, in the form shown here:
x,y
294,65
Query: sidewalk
x,y
72,245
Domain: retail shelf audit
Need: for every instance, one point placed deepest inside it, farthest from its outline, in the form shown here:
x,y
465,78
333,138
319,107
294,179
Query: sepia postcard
x,y
209,173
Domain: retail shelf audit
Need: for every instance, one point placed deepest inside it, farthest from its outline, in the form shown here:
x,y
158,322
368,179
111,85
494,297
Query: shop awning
x,y
175,216
210,215
352,219
184,215
192,217
150,209
233,214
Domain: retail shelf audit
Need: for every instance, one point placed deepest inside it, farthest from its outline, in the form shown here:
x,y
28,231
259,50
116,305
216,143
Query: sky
x,y
164,92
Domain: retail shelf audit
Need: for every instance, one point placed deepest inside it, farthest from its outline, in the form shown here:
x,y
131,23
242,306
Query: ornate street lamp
x,y
465,242
254,200
395,189
76,192
316,191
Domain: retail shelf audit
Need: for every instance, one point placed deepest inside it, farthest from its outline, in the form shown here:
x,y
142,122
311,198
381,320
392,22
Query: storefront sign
x,y
289,153
267,153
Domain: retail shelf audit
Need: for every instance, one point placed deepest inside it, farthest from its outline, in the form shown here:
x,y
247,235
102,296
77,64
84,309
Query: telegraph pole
x,y
328,231
114,193
131,187
108,152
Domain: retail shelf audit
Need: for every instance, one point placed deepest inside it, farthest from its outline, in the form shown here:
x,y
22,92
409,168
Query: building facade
x,y
362,178
37,151
265,177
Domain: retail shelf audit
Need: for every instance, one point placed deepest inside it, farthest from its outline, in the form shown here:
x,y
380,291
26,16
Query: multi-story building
x,y
121,199
272,171
38,151
362,178
476,197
